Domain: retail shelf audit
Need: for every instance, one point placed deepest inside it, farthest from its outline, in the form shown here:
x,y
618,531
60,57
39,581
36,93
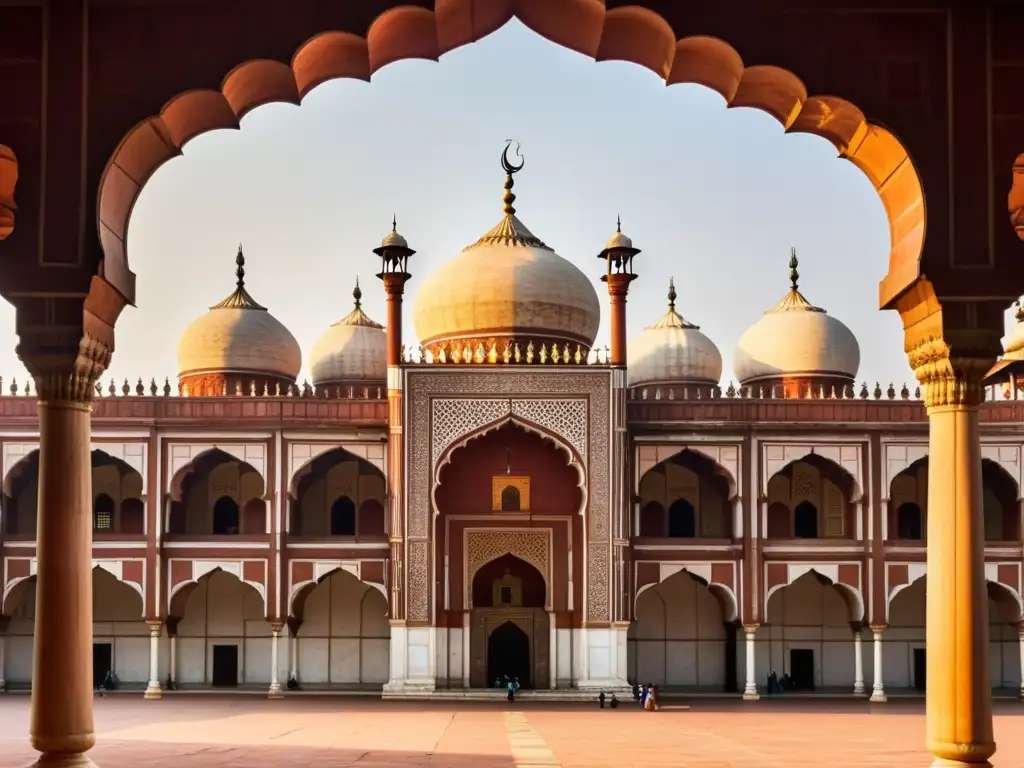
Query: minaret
x,y
618,253
394,253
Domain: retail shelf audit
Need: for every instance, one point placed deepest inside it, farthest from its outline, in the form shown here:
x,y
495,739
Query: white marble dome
x,y
238,335
673,351
796,338
508,284
352,349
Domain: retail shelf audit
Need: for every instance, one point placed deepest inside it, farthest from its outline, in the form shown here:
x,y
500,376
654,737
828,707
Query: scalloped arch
x,y
723,594
850,595
300,592
629,33
559,442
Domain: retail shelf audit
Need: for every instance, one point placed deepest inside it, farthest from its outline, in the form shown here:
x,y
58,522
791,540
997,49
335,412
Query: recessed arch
x,y
14,590
851,596
996,591
301,591
317,455
179,594
630,33
703,456
223,452
723,593
573,458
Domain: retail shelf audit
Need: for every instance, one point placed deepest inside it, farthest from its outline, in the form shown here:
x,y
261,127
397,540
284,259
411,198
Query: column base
x,y
748,696
858,690
78,760
878,698
153,692
275,691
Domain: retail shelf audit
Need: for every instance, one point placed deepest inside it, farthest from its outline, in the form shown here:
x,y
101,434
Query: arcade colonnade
x,y
953,318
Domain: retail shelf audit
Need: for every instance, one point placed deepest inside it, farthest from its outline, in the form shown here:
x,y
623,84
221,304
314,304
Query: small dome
x,y
796,339
352,349
618,239
1013,346
392,239
238,335
507,286
673,351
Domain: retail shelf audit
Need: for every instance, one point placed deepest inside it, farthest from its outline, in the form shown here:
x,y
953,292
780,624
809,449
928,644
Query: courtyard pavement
x,y
205,731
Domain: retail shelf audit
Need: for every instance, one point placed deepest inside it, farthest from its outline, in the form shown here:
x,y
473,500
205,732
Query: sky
x,y
714,198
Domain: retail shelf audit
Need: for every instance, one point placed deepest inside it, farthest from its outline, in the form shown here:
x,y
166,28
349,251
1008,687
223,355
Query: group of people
x,y
510,684
646,696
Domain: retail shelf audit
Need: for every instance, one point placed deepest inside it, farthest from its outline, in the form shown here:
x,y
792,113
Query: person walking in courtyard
x,y
513,686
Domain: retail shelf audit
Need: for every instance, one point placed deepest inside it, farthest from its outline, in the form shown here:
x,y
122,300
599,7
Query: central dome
x,y
507,287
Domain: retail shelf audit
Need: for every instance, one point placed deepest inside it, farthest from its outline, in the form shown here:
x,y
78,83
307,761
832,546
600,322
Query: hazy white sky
x,y
713,197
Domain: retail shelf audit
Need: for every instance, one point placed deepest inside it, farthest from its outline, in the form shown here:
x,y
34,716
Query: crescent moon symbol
x,y
506,165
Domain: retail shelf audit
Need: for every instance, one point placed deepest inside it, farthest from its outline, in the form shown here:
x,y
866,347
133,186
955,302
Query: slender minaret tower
x,y
394,253
618,253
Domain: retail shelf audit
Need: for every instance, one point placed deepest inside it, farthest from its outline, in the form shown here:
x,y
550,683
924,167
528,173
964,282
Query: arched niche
x,y
527,439
508,582
212,478
343,632
814,594
114,600
908,502
811,498
688,495
334,487
683,633
117,489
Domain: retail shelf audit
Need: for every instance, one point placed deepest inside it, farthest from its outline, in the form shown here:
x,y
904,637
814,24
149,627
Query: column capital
x,y
951,368
750,628
878,629
276,627
65,363
155,627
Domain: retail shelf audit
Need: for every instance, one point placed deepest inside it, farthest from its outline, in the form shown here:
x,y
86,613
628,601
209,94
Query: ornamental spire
x,y
240,298
794,276
671,294
357,294
510,171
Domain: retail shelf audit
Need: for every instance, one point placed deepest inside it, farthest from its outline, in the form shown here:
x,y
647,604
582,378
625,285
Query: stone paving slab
x,y
247,732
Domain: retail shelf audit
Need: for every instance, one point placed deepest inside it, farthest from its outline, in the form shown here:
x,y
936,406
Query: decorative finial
x,y
618,224
510,171
357,294
671,294
394,223
794,276
240,270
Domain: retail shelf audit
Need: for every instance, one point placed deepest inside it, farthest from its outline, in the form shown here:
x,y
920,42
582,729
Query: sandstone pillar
x,y
62,721
153,690
750,689
275,683
878,684
858,663
959,696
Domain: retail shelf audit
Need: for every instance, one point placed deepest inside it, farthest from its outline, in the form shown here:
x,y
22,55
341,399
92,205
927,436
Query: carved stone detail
x,y
450,419
424,386
598,582
483,546
566,418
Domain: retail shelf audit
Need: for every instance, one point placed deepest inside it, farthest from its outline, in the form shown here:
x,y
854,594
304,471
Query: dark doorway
x,y
343,517
805,521
920,668
225,516
682,520
103,514
510,499
508,653
225,665
801,669
908,522
102,662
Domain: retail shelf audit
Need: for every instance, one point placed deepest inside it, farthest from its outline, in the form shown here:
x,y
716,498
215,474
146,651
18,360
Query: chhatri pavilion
x,y
574,517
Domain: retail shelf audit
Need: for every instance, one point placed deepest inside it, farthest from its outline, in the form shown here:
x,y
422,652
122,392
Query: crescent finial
x,y
505,164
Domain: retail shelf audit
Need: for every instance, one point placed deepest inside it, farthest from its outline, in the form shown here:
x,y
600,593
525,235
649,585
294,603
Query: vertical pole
x,y
858,662
878,685
174,659
275,683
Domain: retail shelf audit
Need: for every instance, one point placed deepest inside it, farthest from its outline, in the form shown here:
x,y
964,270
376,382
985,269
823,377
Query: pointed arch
x,y
1002,593
573,459
827,575
319,452
723,593
229,452
14,590
179,594
301,591
707,456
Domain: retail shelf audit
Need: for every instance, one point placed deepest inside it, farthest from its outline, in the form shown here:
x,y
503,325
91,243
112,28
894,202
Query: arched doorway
x,y
812,498
225,516
217,494
337,494
509,624
686,496
508,655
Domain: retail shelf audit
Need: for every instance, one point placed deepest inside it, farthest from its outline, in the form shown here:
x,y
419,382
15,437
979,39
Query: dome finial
x,y
618,223
510,171
394,228
357,294
794,276
671,294
240,267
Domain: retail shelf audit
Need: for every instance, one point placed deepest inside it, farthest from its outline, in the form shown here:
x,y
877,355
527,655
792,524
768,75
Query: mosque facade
x,y
503,498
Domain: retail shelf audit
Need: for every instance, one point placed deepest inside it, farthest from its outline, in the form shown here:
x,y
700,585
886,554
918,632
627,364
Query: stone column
x,y
153,690
959,695
858,662
750,689
1020,630
65,371
173,667
275,683
878,686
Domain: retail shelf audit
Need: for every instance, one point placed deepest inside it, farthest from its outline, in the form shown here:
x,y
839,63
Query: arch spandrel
x,y
635,33
725,594
846,457
725,457
183,458
300,591
181,585
830,572
302,455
